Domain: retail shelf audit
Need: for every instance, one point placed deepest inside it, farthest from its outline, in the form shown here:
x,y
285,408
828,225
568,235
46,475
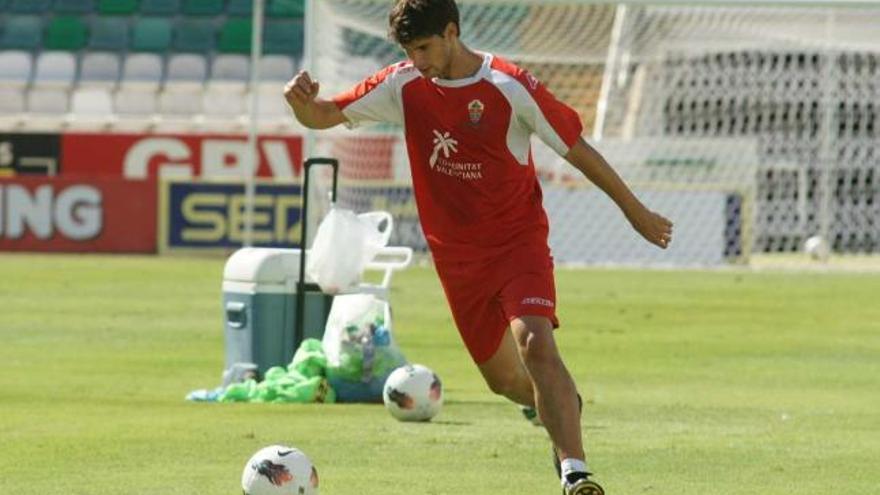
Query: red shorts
x,y
486,295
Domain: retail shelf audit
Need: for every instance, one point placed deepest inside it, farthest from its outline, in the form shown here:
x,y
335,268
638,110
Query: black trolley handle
x,y
299,331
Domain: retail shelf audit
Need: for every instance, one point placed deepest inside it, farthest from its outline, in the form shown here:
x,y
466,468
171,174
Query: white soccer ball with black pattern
x,y
817,248
279,470
413,393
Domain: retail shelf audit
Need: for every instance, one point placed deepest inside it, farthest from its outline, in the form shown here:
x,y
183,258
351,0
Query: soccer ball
x,y
817,248
413,393
279,470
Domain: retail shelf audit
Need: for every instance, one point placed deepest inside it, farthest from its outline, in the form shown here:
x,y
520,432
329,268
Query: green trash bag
x,y
240,392
315,389
303,381
309,360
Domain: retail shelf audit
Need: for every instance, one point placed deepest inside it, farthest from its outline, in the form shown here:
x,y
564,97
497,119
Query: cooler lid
x,y
263,265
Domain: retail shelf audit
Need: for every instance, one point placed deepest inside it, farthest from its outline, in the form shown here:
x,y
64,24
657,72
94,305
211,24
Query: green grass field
x,y
697,383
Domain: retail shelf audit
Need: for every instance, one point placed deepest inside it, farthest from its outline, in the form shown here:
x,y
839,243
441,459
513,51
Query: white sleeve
x,y
375,99
557,124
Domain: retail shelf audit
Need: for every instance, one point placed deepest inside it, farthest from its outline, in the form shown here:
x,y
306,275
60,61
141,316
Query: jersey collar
x,y
482,73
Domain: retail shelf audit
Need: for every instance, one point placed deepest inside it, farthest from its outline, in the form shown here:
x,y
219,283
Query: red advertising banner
x,y
141,156
71,215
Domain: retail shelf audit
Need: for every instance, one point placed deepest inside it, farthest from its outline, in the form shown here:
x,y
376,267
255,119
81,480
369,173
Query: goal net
x,y
751,127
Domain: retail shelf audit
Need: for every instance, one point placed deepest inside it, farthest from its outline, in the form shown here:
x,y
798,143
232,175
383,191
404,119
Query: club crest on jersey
x,y
475,111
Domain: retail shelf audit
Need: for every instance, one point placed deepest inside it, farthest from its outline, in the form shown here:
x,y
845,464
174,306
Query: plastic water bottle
x,y
382,337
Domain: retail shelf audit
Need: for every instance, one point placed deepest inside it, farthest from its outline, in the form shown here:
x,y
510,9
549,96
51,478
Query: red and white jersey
x,y
469,150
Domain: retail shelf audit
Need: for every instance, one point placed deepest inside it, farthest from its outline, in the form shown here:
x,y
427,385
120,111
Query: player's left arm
x,y
655,228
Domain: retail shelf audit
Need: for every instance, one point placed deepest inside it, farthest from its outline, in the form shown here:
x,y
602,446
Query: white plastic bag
x,y
343,246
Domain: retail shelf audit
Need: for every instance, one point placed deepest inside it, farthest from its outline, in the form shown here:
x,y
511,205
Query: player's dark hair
x,y
413,19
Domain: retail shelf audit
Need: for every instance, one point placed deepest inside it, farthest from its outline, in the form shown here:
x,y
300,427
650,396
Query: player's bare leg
x,y
506,374
554,389
557,400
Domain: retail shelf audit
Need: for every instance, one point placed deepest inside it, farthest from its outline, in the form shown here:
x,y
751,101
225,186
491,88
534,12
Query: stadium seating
x,y
135,103
240,7
99,69
30,6
56,69
47,101
151,34
186,68
109,33
73,6
21,32
181,97
285,8
160,7
181,109
66,33
223,111
90,108
47,108
117,7
135,108
276,68
12,107
194,35
274,113
15,68
142,69
225,98
235,36
202,7
284,37
147,61
15,74
230,68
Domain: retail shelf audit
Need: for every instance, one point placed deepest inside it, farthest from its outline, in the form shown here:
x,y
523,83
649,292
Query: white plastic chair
x,y
91,102
230,68
91,107
272,109
56,69
186,68
46,108
47,101
180,100
224,110
142,69
135,107
11,107
225,101
135,102
15,68
99,69
180,108
229,73
276,68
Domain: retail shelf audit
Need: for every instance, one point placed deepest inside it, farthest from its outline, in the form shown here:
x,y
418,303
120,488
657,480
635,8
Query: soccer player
x,y
468,117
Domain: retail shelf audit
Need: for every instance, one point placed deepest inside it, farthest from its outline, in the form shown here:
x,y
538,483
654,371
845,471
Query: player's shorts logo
x,y
538,301
475,111
442,142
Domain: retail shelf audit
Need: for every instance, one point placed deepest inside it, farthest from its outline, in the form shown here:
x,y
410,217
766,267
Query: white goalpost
x,y
753,125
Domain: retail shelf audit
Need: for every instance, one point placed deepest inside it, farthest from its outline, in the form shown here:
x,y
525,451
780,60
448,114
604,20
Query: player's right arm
x,y
315,113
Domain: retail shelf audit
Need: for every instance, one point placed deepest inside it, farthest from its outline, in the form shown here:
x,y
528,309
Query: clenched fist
x,y
301,90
